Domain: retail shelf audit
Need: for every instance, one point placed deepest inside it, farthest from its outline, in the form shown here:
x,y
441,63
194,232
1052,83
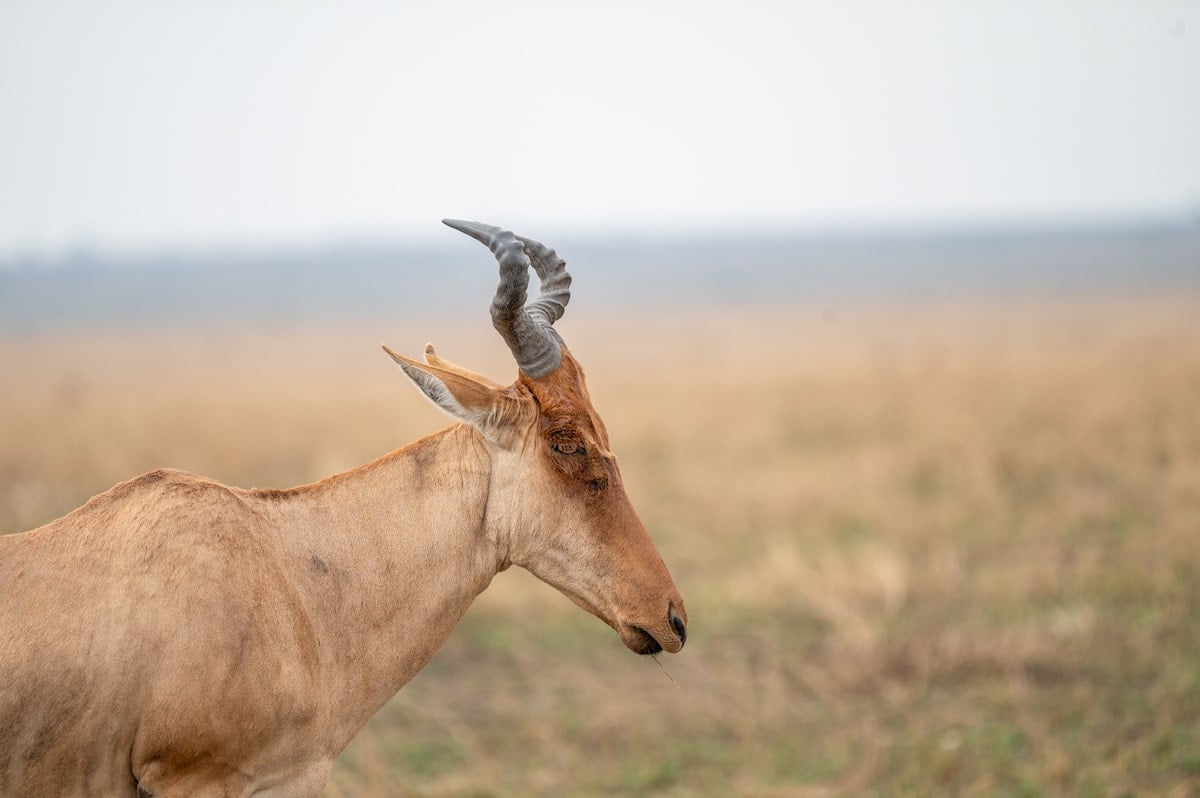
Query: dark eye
x,y
597,485
566,447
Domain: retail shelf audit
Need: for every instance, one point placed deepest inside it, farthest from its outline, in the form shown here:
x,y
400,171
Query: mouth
x,y
639,641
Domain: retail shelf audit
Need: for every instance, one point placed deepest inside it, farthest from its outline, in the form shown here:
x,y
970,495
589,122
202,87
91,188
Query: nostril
x,y
678,625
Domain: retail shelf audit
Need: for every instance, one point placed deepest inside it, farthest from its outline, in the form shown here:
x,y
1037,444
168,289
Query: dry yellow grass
x,y
927,549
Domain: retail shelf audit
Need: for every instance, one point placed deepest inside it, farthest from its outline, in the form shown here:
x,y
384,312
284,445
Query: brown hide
x,y
199,639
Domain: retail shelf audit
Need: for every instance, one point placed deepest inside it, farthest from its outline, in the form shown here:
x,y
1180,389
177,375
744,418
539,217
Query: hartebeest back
x,y
177,637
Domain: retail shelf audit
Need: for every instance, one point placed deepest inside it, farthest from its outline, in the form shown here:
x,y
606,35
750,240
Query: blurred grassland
x,y
927,549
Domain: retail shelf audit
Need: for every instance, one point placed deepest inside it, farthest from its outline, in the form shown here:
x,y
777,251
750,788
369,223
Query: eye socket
x,y
568,447
597,485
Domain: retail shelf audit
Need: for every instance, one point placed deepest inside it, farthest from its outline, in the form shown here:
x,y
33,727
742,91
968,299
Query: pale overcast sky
x,y
150,124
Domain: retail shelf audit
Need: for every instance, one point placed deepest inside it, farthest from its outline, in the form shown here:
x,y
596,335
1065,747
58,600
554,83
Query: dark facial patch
x,y
573,436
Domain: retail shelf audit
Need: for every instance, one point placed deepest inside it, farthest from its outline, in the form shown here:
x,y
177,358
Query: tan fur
x,y
187,638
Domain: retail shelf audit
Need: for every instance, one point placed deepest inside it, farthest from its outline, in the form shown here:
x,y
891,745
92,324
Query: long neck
x,y
393,553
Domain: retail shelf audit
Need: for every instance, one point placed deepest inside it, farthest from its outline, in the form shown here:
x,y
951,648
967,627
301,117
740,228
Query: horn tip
x,y
483,233
461,225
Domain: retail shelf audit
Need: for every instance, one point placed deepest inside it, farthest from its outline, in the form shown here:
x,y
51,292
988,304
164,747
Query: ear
x,y
465,395
432,358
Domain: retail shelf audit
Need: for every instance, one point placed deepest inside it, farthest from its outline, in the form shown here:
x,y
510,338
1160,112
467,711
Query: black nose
x,y
678,625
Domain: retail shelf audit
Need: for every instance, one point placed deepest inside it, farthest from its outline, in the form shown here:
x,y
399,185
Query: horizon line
x,y
98,251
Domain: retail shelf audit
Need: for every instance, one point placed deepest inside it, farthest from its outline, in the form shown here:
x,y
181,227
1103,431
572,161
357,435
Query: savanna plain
x,y
928,548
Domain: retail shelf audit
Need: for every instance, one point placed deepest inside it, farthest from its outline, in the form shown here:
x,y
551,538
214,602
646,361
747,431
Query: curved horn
x,y
526,330
555,282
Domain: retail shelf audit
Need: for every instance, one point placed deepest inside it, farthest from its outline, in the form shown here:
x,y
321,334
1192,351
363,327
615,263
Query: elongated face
x,y
590,544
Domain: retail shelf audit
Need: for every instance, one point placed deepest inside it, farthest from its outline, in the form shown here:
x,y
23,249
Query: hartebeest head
x,y
557,505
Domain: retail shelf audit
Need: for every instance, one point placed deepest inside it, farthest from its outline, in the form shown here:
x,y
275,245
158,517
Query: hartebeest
x,y
177,637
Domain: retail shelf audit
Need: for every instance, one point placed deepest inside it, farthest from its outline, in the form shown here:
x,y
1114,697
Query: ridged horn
x,y
526,329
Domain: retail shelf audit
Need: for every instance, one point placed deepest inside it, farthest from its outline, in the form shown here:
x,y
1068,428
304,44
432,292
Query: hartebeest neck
x,y
390,556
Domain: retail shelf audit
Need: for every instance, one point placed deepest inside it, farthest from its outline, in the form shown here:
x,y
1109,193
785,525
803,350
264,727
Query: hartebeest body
x,y
177,637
